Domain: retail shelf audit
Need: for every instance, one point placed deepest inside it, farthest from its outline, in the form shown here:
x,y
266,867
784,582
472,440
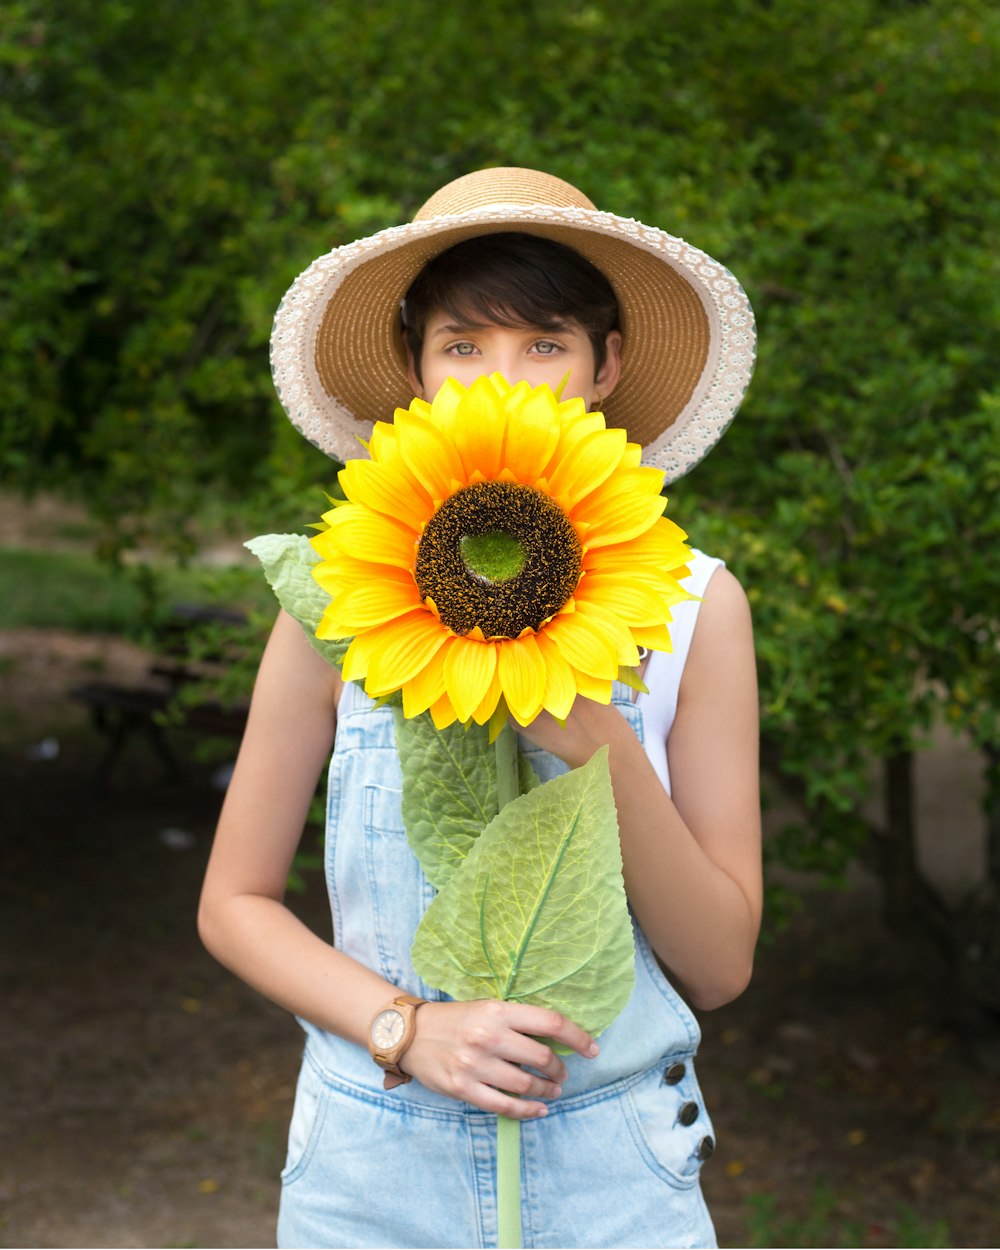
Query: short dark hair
x,y
515,280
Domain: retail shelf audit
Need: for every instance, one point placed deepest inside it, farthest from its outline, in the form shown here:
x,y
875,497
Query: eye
x,y
462,349
546,347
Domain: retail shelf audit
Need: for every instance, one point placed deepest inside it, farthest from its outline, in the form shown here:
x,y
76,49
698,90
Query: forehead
x,y
457,321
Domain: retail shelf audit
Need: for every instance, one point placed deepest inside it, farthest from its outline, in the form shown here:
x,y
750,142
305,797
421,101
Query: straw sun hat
x,y
337,350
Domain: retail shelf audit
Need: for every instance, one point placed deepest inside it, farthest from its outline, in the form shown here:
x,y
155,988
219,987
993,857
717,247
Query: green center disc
x,y
493,556
498,556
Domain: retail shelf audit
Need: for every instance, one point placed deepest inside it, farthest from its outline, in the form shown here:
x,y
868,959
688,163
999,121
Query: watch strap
x,y
393,1073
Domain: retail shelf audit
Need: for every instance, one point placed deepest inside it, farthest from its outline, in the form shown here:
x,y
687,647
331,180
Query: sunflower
x,y
499,551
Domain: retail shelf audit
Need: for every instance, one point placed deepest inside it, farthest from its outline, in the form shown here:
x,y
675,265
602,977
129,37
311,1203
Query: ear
x,y
412,372
607,376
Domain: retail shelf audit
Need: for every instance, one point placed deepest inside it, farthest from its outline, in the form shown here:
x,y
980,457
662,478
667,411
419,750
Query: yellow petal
x,y
560,686
426,688
632,483
656,547
341,571
533,437
398,650
577,424
616,632
639,479
445,406
443,713
385,490
512,396
584,645
374,602
573,410
634,600
382,441
497,720
385,451
480,426
432,457
469,668
367,535
358,656
331,627
623,518
586,466
593,687
656,637
491,699
522,676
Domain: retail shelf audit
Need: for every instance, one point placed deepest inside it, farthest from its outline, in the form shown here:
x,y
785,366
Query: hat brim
x,y
340,365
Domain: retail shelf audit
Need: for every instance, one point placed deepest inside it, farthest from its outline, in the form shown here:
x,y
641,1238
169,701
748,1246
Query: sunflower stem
x,y
508,1183
508,783
508,1131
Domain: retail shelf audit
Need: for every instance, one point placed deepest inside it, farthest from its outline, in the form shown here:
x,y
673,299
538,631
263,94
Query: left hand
x,y
589,726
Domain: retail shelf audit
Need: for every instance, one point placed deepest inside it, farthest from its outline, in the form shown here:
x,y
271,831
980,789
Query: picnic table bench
x,y
121,711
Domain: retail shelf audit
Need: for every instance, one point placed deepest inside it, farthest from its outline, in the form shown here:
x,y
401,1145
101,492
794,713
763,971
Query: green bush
x,y
173,167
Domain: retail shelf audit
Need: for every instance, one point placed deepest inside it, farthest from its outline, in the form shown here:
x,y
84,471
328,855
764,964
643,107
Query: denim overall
x,y
616,1161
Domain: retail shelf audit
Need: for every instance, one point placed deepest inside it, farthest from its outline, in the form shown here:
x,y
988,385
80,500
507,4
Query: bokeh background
x,y
168,169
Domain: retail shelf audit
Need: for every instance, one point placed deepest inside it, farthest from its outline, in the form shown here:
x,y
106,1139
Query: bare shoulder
x,y
292,669
724,604
722,644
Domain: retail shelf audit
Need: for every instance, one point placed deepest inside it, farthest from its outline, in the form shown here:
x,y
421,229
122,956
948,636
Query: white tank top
x,y
664,669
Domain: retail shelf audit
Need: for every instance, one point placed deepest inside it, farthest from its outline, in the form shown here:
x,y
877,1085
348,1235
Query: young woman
x,y
511,271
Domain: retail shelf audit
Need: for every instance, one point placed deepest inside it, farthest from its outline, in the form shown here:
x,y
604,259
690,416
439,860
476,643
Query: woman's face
x,y
522,353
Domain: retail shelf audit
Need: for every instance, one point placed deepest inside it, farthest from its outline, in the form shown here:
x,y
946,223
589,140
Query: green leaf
x,y
288,561
537,912
449,790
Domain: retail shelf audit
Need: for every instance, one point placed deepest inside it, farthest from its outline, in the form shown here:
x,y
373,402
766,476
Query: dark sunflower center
x,y
499,555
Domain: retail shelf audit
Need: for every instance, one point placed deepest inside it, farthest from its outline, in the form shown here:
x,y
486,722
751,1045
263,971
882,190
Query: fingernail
x,y
555,1091
544,1111
593,1049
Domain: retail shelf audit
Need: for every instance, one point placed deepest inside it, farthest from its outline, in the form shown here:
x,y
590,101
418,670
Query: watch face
x,y
388,1028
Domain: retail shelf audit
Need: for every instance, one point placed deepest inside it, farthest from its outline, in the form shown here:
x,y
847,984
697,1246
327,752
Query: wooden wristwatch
x,y
390,1035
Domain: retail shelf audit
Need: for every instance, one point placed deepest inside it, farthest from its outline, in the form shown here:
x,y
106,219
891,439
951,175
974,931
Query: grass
x,y
824,1225
78,592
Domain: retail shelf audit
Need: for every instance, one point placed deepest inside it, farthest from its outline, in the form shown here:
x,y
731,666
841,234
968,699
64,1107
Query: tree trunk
x,y
899,865
992,806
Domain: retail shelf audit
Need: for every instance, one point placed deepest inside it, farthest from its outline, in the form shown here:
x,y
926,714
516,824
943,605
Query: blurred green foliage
x,y
172,167
77,592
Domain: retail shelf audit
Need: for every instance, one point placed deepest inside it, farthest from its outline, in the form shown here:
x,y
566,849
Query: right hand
x,y
475,1051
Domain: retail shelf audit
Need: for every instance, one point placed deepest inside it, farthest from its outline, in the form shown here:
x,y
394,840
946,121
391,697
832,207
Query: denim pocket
x,y
669,1124
306,1127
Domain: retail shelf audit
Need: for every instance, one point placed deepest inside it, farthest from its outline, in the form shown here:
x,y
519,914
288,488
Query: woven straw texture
x,y
338,357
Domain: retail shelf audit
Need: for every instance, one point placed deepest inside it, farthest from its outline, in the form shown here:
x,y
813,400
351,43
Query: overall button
x,y
706,1148
675,1074
688,1113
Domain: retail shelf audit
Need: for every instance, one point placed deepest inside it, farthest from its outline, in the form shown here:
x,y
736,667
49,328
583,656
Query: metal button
x,y
675,1074
706,1148
688,1113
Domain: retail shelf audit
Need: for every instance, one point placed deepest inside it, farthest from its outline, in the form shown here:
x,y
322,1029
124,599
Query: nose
x,y
509,362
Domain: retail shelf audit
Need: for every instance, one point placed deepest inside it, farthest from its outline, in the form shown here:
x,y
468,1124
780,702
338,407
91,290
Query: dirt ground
x,y
145,1093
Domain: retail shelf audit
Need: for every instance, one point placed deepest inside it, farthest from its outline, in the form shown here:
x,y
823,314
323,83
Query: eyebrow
x,y
553,327
460,327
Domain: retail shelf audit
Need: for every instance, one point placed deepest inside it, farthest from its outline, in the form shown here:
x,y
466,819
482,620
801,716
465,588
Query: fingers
x,y
478,1052
504,1088
540,1022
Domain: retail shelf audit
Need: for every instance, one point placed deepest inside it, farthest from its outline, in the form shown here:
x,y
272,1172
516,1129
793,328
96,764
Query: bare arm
x,y
466,1050
692,863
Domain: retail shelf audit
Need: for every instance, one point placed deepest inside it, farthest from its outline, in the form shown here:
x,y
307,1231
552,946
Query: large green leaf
x,y
537,911
288,561
449,790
